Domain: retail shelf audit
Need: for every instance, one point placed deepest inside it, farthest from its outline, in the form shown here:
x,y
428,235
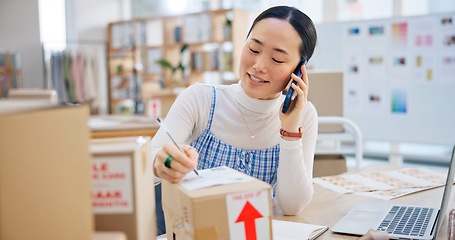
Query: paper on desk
x,y
394,193
120,122
213,176
98,123
386,184
285,230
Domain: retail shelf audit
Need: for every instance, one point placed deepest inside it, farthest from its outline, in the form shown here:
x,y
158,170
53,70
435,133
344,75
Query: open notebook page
x,y
285,230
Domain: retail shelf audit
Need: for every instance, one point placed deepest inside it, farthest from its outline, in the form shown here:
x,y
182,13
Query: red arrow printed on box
x,y
248,215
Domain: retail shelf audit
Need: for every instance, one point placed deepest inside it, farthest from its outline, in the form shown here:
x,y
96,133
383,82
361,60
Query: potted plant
x,y
181,65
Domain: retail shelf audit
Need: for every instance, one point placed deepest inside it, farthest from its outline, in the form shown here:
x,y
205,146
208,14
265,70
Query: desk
x,y
110,126
327,206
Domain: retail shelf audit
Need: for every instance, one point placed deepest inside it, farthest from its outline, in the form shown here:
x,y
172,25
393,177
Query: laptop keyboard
x,y
411,221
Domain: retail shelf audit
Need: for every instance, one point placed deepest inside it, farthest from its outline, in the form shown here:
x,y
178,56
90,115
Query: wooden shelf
x,y
162,38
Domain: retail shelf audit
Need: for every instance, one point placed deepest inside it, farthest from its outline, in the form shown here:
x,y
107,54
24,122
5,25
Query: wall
x,y
441,6
91,17
398,88
19,31
87,22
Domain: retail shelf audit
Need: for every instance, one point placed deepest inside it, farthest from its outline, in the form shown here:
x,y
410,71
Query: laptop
x,y
400,221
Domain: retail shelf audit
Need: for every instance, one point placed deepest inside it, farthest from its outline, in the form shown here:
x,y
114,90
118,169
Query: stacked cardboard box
x,y
328,165
44,172
231,211
326,94
123,187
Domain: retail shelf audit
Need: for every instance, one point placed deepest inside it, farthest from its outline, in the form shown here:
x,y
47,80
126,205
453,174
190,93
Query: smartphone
x,y
287,99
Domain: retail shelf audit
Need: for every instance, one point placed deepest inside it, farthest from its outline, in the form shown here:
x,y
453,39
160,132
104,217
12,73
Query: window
x,y
52,24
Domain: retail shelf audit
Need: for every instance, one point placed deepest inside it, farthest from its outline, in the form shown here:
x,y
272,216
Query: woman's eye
x,y
253,51
277,61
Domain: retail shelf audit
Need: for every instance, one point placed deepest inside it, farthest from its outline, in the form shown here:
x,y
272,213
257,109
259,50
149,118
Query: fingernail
x,y
294,95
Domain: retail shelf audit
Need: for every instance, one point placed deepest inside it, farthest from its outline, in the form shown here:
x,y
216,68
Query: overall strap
x,y
212,109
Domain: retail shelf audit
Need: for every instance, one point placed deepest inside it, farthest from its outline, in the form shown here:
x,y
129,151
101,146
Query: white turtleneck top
x,y
237,117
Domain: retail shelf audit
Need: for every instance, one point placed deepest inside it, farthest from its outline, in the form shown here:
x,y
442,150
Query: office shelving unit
x,y
10,72
212,41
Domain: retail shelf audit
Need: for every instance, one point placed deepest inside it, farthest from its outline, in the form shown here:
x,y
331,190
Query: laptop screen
x,y
446,196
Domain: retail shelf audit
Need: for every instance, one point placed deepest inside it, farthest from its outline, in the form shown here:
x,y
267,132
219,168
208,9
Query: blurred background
x,y
36,35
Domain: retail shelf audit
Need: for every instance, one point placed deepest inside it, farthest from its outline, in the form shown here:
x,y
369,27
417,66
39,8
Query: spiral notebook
x,y
285,230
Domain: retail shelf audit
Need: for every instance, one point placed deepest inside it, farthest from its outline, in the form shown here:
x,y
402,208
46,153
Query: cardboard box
x,y
109,236
44,172
34,94
326,94
328,165
233,211
123,192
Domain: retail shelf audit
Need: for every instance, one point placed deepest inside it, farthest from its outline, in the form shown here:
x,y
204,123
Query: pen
x,y
160,122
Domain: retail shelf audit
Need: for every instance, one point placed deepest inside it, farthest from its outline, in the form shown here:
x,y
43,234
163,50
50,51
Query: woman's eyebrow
x,y
280,50
275,49
257,41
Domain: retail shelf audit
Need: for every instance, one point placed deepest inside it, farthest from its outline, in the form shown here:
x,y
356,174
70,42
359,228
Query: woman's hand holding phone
x,y
292,107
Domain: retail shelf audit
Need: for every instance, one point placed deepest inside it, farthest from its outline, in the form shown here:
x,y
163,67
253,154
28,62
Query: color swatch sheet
x,y
385,184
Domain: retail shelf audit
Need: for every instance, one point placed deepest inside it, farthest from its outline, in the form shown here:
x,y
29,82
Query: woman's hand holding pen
x,y
172,164
291,120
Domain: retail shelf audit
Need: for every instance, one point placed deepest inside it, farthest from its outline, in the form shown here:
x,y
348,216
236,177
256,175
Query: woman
x,y
239,125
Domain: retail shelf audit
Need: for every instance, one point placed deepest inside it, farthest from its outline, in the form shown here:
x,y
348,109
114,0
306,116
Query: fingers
x,y
301,89
172,164
182,160
292,119
192,153
305,80
296,91
375,235
171,176
288,85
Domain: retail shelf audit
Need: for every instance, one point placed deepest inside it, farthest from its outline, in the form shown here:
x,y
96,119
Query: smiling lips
x,y
257,80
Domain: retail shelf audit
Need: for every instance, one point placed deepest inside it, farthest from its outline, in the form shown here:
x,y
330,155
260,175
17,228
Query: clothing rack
x,y
73,42
66,90
86,41
47,54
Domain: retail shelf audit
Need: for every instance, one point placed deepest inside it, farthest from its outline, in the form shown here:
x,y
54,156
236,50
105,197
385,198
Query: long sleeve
x,y
189,116
186,119
295,171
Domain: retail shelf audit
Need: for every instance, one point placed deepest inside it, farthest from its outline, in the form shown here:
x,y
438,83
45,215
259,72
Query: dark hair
x,y
301,23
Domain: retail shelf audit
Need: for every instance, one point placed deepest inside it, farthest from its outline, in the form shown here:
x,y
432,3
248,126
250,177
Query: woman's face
x,y
268,58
